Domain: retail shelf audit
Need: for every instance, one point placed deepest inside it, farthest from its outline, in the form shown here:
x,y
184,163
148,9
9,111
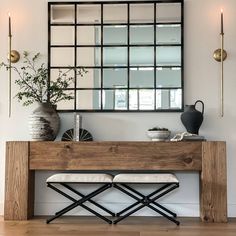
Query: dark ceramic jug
x,y
192,118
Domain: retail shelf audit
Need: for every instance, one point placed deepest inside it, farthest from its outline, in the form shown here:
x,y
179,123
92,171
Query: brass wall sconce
x,y
217,55
220,55
13,57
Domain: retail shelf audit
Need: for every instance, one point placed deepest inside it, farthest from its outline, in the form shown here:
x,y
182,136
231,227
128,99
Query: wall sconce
x,y
220,55
13,57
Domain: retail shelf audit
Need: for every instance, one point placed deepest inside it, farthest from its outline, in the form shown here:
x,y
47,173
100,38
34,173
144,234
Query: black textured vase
x,y
192,118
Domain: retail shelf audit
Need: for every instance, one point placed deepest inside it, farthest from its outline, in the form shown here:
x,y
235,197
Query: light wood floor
x,y
133,226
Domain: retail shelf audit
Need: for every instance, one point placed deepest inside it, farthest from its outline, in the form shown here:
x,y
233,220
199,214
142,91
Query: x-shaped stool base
x,y
81,201
146,201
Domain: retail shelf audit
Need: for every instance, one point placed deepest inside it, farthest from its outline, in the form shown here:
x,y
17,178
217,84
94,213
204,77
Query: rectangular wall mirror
x,y
132,52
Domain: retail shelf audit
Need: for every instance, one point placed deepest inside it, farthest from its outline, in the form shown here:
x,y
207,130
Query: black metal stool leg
x,y
128,214
163,214
127,208
82,205
162,188
146,201
164,209
90,200
79,203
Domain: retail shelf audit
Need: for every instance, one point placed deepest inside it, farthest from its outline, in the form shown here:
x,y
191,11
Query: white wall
x,y
201,82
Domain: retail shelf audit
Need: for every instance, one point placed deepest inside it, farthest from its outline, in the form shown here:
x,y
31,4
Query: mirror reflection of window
x,y
168,12
141,99
116,34
146,99
168,77
88,35
120,99
133,99
142,77
89,14
58,31
62,14
168,33
158,99
142,56
134,61
115,13
114,99
115,76
88,56
168,98
168,56
141,34
141,13
176,99
62,73
91,79
62,56
88,99
115,56
66,105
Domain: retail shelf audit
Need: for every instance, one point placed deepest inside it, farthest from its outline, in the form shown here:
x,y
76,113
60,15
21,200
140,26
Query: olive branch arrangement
x,y
34,84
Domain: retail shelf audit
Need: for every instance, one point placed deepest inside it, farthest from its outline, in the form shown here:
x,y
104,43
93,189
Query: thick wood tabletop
x,y
115,155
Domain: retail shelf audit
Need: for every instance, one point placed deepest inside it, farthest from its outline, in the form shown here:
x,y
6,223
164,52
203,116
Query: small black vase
x,y
192,118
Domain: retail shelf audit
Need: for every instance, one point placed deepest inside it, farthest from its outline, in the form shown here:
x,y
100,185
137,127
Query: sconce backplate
x,y
217,55
15,56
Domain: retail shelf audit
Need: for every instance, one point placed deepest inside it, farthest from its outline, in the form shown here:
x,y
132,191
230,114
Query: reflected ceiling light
x,y
168,25
160,26
159,68
146,68
118,26
141,26
175,25
175,68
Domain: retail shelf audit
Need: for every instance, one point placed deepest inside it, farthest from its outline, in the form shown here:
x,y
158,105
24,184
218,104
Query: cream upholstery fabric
x,y
145,178
80,178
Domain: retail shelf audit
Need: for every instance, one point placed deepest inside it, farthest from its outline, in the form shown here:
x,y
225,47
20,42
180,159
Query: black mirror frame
x,y
75,46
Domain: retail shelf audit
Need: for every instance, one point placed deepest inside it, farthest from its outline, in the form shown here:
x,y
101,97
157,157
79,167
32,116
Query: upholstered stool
x,y
74,178
169,183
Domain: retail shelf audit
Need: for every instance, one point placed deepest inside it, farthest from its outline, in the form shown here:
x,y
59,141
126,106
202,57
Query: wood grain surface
x,y
208,158
19,182
115,155
213,191
133,226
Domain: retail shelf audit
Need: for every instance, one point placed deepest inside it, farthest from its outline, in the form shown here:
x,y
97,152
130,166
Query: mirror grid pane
x,y
132,53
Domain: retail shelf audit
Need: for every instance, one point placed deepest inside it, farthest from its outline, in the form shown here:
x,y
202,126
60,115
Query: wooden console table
x,y
208,158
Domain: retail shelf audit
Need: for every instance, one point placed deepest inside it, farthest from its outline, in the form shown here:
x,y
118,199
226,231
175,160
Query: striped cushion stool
x,y
169,183
73,178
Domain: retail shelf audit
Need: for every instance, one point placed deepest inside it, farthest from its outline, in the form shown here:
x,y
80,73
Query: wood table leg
x,y
213,192
19,182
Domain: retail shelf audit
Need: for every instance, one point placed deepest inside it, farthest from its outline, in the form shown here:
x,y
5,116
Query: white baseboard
x,y
182,209
191,210
231,210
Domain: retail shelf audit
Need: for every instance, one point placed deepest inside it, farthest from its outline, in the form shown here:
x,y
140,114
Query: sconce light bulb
x,y
221,10
9,14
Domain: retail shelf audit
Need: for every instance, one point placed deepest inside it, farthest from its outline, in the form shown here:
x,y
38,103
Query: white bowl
x,y
158,135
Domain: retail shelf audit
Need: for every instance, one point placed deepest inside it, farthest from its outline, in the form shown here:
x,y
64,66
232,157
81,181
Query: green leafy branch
x,y
34,84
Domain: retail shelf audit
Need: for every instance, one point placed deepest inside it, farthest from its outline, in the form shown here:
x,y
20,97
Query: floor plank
x,y
133,226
